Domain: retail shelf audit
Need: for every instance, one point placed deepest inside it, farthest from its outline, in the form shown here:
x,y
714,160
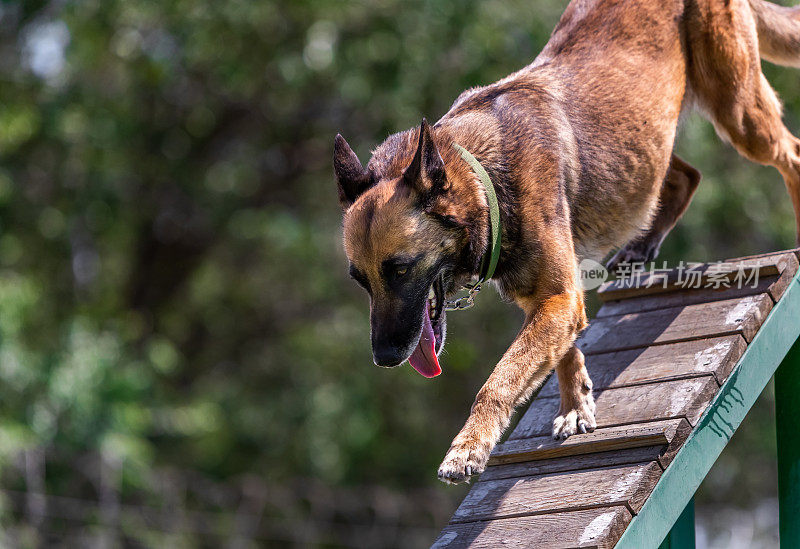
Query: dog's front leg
x,y
576,413
551,325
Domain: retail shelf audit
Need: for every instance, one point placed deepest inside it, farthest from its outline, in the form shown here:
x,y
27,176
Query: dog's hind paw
x,y
637,251
579,419
462,462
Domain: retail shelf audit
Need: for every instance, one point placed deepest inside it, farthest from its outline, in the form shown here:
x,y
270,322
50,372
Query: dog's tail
x,y
778,32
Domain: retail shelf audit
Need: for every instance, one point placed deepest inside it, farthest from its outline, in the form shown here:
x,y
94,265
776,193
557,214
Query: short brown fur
x,y
579,147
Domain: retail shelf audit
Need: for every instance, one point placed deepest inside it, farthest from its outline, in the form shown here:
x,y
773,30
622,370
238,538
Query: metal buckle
x,y
463,302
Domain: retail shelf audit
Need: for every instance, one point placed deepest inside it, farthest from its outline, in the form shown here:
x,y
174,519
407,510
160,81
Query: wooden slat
x,y
777,289
733,316
644,303
636,404
626,484
774,285
600,528
680,436
715,356
576,463
657,433
676,279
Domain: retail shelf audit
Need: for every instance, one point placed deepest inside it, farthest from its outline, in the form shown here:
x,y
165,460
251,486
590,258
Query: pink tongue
x,y
424,359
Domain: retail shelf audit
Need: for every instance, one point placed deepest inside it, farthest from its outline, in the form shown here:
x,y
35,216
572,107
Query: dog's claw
x,y
462,462
637,251
578,419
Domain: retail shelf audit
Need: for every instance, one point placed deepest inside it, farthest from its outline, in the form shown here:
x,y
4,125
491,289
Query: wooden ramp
x,y
672,370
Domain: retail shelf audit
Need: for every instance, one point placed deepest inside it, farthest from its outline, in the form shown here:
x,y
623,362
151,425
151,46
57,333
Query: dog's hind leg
x,y
727,81
778,32
676,193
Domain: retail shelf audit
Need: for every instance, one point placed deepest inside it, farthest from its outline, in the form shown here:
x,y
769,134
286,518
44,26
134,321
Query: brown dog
x,y
579,148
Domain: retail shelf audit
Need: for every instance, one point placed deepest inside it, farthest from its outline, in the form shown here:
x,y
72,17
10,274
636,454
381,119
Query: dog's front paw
x,y
577,419
462,461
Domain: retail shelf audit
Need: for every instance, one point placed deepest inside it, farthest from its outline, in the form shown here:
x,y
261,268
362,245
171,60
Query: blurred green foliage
x,y
172,286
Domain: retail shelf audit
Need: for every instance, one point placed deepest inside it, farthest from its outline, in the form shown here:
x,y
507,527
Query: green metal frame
x,y
787,408
682,534
676,487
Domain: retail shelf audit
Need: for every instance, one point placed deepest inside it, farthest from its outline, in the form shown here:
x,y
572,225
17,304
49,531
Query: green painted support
x,y
715,428
681,536
787,410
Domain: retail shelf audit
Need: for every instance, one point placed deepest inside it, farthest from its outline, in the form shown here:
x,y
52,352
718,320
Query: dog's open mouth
x,y
424,359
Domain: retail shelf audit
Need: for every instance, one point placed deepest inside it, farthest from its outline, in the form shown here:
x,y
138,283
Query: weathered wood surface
x,y
626,484
779,287
731,316
774,285
716,356
709,437
680,436
694,275
578,462
635,404
590,528
642,304
657,357
657,433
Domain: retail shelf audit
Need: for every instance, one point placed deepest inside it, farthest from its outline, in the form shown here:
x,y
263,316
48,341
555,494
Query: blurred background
x,y
183,359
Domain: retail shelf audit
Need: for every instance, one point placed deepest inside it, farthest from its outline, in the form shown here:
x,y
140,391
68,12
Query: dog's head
x,y
405,238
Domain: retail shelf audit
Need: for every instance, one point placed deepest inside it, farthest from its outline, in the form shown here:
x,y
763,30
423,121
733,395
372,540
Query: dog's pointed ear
x,y
351,177
426,173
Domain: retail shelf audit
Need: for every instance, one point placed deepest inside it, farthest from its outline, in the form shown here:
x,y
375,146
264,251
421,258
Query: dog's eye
x,y
394,269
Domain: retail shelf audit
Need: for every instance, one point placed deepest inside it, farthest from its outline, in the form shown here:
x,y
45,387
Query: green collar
x,y
492,255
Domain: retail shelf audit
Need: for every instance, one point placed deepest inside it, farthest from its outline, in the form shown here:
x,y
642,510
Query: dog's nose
x,y
386,356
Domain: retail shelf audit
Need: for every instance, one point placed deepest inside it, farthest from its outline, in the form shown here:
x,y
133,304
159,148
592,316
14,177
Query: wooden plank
x,y
590,528
732,316
777,289
774,285
788,271
696,275
576,463
626,484
681,435
704,445
657,433
634,404
681,298
691,276
715,356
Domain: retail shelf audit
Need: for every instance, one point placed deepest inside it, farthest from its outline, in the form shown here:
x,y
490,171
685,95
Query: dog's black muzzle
x,y
395,333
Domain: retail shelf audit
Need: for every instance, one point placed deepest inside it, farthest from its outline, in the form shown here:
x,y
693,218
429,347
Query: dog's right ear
x,y
426,173
352,178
